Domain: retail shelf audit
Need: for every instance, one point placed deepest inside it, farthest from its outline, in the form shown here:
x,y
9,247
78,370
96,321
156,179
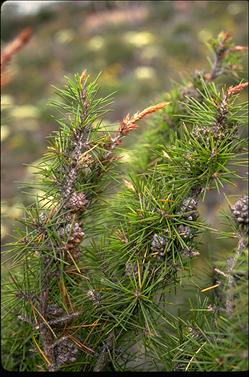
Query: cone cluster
x,y
72,235
204,133
158,245
54,311
94,297
189,212
185,231
189,209
77,201
240,211
131,269
65,352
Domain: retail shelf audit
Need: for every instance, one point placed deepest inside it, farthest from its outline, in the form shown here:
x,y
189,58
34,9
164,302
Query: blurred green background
x,y
139,46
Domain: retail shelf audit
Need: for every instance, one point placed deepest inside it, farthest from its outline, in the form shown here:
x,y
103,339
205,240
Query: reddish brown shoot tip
x,y
239,48
83,75
236,89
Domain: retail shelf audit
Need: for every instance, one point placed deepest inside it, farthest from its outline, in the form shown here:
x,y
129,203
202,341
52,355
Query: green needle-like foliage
x,y
93,275
155,223
215,336
46,270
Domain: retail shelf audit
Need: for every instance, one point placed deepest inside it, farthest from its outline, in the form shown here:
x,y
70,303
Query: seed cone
x,y
77,201
158,244
65,352
189,208
240,211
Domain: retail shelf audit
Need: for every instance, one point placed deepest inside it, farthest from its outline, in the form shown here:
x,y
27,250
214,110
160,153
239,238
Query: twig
x,y
80,145
21,39
67,189
221,49
62,319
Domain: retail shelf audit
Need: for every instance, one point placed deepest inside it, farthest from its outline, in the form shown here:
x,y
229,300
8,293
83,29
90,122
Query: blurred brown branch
x,y
116,17
20,40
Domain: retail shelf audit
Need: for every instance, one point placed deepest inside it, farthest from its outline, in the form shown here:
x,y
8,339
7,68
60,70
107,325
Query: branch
x,y
21,39
67,213
222,49
220,52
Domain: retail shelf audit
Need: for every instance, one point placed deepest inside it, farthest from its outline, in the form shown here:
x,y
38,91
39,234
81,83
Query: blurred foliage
x,y
140,47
